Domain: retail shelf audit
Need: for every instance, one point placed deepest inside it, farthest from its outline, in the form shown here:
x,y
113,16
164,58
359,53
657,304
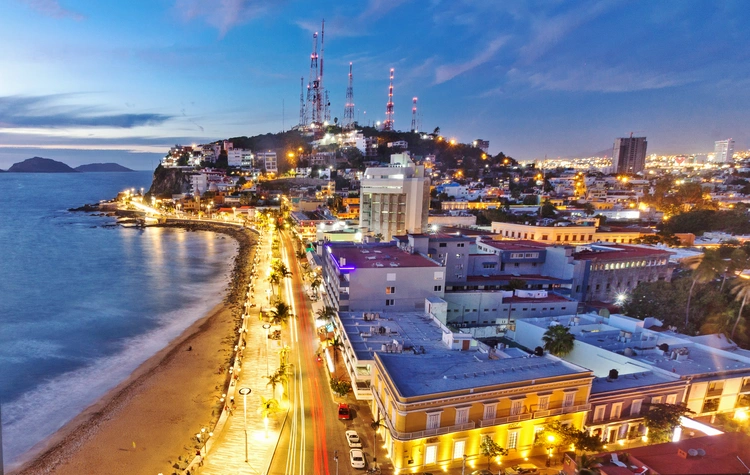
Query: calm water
x,y
82,305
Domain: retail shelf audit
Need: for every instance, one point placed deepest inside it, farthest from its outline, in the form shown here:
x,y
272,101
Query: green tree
x,y
268,407
741,291
326,313
738,261
340,386
281,313
708,268
547,210
558,340
662,419
490,449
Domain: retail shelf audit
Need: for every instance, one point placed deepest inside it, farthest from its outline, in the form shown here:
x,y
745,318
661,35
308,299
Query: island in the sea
x,y
47,165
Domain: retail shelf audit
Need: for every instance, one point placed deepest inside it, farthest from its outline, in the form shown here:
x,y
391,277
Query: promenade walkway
x,y
234,451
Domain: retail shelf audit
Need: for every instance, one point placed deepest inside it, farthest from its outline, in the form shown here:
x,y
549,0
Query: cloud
x,y
447,72
222,14
601,79
46,112
51,8
359,25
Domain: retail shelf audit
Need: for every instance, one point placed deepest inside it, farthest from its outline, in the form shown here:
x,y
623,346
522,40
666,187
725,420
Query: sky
x,y
87,81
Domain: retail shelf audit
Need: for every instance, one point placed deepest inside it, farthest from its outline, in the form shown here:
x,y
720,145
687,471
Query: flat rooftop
x,y
617,252
629,381
446,370
518,245
379,256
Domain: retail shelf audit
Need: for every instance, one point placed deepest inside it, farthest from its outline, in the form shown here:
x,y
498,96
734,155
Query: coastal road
x,y
312,432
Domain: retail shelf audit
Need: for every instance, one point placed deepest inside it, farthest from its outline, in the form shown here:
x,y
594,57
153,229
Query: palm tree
x,y
326,313
375,426
274,279
280,313
315,283
742,293
558,340
704,272
335,344
273,380
738,261
268,407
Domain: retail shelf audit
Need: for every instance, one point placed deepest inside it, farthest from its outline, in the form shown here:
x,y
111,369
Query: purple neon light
x,y
336,260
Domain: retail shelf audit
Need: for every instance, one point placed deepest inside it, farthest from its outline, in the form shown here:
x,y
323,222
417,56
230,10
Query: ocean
x,y
82,305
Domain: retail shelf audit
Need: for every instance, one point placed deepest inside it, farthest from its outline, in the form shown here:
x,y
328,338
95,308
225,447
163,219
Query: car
x,y
352,438
344,413
357,458
522,469
482,471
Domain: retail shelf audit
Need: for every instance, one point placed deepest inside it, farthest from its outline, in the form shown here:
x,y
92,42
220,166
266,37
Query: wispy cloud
x,y
52,8
48,112
222,14
601,79
343,26
447,72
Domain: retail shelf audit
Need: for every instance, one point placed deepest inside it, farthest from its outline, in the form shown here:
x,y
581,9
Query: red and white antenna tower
x,y
414,115
388,124
310,111
349,107
323,113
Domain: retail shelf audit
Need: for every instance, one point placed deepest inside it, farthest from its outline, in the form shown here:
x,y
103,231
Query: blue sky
x,y
87,81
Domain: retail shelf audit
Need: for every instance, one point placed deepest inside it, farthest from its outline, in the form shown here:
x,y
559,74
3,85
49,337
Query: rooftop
x,y
378,256
520,245
600,252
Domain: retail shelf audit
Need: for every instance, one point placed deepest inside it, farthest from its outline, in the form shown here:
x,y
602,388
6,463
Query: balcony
x,y
504,420
561,410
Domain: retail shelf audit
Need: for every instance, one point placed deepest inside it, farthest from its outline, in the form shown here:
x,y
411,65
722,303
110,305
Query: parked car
x,y
352,438
522,469
357,458
344,413
482,471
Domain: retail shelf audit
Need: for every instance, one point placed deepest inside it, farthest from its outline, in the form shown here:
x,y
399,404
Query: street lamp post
x,y
244,392
267,327
463,466
336,458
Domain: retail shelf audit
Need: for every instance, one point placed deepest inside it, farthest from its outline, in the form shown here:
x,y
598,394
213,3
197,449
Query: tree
x,y
738,261
340,387
588,209
326,313
335,345
280,314
704,272
273,380
662,419
315,283
558,340
547,210
489,448
742,293
268,407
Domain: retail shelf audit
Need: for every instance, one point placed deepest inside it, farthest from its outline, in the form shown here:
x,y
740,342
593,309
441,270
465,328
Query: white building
x,y
724,151
267,160
395,200
238,157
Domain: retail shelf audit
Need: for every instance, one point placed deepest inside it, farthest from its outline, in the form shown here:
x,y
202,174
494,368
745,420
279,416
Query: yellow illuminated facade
x,y
434,430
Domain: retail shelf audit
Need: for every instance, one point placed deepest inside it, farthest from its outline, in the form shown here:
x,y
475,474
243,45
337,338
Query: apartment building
x,y
379,277
439,399
565,233
394,200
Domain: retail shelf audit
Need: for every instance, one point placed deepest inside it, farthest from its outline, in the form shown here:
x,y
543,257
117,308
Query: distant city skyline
x,y
91,82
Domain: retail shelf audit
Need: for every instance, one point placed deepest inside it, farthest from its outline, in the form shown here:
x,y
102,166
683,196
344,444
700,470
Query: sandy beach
x,y
148,423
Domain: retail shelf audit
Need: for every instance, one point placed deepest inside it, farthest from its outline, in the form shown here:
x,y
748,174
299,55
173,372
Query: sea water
x,y
83,304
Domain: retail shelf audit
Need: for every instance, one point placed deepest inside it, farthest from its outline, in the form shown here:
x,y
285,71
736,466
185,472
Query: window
x,y
430,454
545,237
635,407
656,400
672,399
390,290
459,276
516,407
462,415
460,244
459,448
433,420
599,413
442,244
512,439
438,288
489,411
488,265
459,266
616,411
569,399
390,302
459,256
711,405
390,277
437,276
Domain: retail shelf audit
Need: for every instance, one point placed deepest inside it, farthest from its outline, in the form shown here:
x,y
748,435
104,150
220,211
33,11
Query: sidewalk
x,y
227,451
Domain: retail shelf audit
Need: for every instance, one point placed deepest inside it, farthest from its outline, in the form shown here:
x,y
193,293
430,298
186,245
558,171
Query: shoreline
x,y
174,393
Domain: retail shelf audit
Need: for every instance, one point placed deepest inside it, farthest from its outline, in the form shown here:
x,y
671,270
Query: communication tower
x,y
414,115
349,107
388,124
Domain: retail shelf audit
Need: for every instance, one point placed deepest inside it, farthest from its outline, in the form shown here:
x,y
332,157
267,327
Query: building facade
x,y
724,151
629,154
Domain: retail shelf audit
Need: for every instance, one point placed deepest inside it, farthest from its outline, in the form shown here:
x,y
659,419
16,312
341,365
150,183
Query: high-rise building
x,y
629,154
394,200
724,151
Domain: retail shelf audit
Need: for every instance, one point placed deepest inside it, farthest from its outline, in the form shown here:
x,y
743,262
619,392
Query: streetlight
x,y
267,327
551,442
336,458
244,392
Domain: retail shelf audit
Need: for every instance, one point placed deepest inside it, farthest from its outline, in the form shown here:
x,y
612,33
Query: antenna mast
x,y
302,102
323,112
349,107
414,116
312,85
388,124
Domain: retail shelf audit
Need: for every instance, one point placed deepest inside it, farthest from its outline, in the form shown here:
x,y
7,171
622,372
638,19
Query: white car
x,y
352,438
357,458
522,469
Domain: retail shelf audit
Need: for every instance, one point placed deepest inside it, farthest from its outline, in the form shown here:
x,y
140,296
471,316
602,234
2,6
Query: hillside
x,y
102,167
40,165
167,182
